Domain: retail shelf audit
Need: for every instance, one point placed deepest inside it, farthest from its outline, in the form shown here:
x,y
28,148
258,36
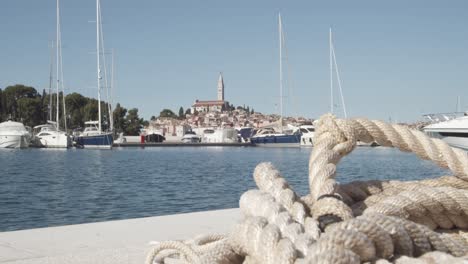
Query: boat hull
x,y
457,142
14,141
226,135
277,141
191,140
102,141
55,141
307,141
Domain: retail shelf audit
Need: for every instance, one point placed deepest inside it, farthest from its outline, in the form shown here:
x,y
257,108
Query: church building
x,y
212,105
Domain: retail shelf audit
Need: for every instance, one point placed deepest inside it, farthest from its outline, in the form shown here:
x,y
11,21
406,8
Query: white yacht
x,y
14,135
49,136
154,135
452,131
307,132
191,137
220,135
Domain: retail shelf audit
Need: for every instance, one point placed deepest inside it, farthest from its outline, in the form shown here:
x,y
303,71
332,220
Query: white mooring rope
x,y
367,221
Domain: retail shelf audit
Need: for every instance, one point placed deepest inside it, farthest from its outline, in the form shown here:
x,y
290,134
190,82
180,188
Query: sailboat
x,y
269,136
93,137
49,135
308,131
334,66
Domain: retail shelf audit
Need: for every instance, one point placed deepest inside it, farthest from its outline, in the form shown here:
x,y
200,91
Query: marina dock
x,y
116,242
180,144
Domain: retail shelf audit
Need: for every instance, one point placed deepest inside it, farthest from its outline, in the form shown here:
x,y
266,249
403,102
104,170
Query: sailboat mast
x,y
281,69
111,99
339,82
62,83
57,65
98,66
51,79
331,71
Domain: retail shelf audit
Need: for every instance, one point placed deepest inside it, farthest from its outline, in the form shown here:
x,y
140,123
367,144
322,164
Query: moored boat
x,y
49,136
220,135
268,137
453,131
191,137
92,137
307,135
14,135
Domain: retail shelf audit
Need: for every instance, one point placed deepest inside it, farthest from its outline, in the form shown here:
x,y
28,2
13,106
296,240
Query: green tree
x,y
188,111
75,109
29,111
167,113
119,118
44,106
12,94
252,112
181,113
134,123
90,110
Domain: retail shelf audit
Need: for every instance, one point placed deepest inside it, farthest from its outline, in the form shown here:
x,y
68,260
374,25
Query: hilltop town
x,y
216,113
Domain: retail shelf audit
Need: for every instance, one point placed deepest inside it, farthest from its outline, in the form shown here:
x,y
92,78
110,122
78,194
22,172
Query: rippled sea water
x,y
45,187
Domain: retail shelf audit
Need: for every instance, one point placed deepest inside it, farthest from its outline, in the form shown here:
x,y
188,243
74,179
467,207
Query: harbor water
x,y
45,187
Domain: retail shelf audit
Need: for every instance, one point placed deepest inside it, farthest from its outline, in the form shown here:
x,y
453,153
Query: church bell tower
x,y
220,87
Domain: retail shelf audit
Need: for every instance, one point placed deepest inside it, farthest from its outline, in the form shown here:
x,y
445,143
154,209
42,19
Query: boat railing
x,y
441,117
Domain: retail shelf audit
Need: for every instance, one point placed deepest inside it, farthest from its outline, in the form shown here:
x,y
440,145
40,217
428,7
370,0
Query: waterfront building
x,y
218,105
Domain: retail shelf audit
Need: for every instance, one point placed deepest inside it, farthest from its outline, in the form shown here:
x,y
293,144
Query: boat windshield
x,y
208,131
91,128
307,130
12,128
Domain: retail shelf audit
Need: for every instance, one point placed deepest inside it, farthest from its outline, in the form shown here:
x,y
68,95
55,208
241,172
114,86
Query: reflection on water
x,y
44,187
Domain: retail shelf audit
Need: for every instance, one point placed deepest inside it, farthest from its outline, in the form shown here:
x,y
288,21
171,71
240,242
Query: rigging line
x,y
339,81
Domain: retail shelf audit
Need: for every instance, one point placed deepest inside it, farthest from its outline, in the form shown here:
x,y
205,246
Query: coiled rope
x,y
367,221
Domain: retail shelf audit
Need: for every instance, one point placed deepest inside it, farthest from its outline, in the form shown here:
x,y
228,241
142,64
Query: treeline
x,y
23,103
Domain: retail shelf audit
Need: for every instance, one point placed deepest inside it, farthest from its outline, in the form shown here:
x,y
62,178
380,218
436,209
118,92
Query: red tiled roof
x,y
208,103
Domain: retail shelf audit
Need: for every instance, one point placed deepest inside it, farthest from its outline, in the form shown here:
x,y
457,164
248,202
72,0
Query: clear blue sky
x,y
397,59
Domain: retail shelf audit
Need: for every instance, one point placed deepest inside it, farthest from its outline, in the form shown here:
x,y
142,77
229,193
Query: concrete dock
x,y
180,144
122,241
